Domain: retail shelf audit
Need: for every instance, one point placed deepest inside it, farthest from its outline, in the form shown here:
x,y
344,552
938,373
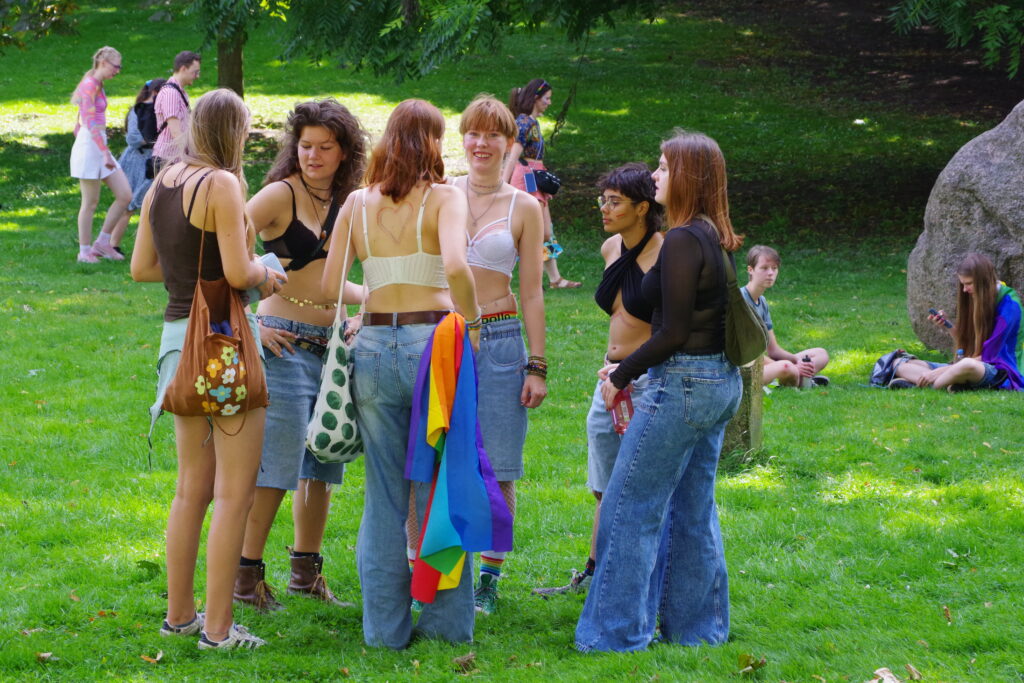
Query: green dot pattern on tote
x,y
332,435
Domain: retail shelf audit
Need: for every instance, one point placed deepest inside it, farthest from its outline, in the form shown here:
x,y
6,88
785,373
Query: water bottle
x,y
959,356
806,382
622,410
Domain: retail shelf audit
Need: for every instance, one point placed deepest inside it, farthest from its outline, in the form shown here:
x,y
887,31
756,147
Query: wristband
x,y
475,324
266,276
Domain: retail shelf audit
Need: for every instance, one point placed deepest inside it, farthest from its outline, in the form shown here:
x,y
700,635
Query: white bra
x,y
417,268
494,249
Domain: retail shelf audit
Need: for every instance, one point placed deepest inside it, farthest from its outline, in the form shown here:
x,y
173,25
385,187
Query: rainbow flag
x,y
466,511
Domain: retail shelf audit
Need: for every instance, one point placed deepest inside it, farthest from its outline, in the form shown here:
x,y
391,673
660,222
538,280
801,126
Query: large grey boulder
x,y
977,204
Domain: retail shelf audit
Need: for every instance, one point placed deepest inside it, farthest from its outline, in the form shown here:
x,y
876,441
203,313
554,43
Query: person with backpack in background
x,y
172,110
140,132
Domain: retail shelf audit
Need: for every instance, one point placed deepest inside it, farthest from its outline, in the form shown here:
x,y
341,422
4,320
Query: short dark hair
x,y
185,58
759,250
634,180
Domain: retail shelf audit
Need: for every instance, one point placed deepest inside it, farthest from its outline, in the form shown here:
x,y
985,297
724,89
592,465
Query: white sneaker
x,y
192,628
106,251
87,257
238,637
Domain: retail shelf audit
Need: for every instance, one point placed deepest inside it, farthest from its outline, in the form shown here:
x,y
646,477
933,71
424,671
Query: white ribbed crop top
x,y
417,268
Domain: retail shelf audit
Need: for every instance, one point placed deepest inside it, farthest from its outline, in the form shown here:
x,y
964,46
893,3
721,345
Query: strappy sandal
x,y
563,283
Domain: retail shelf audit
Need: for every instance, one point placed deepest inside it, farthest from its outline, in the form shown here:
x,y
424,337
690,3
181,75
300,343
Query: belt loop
x,y
394,320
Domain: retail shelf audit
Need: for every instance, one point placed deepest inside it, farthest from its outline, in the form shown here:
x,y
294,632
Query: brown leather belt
x,y
407,318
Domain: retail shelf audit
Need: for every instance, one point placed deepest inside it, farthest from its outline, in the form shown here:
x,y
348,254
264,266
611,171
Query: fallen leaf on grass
x,y
465,663
820,678
153,660
923,643
46,657
915,675
988,604
344,671
946,613
883,675
30,631
749,663
75,597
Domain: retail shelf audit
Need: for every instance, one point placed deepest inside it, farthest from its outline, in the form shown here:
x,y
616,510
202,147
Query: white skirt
x,y
87,159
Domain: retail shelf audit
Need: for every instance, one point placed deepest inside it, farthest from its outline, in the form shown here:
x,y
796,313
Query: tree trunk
x,y
229,63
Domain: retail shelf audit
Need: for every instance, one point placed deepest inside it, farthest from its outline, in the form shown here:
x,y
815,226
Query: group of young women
x,y
429,245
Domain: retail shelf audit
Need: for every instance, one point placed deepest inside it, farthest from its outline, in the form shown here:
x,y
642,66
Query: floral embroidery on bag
x,y
229,356
230,409
240,393
229,376
221,393
241,370
213,367
201,385
210,407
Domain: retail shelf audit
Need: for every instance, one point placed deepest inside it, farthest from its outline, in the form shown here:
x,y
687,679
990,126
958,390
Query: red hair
x,y
697,184
409,151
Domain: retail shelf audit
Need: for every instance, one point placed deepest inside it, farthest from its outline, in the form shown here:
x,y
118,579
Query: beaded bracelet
x,y
537,368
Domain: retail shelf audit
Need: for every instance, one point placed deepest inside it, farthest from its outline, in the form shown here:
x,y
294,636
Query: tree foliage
x,y
25,20
997,27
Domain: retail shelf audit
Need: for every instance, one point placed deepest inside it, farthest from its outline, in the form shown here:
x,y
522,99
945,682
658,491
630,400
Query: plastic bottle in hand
x,y
806,382
622,410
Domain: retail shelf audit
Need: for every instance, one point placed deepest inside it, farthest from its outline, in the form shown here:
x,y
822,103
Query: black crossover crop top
x,y
626,276
298,242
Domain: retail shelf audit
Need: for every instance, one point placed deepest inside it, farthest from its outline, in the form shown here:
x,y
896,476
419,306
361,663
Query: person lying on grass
x,y
986,332
789,368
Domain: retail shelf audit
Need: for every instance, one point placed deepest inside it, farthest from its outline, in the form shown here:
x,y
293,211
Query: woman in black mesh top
x,y
659,538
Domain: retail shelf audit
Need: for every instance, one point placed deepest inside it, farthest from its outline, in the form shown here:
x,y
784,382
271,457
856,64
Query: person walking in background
x,y
659,544
409,233
987,334
634,219
91,160
321,160
172,109
140,134
526,156
205,192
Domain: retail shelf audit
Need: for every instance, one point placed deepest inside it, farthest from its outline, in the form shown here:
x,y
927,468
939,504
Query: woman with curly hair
x,y
321,160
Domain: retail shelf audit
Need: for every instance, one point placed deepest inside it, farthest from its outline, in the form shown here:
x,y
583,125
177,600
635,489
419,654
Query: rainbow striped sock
x,y
490,563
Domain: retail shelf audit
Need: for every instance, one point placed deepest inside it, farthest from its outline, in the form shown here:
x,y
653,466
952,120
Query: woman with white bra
x,y
505,225
408,233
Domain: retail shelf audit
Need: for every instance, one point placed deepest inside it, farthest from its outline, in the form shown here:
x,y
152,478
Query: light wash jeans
x,y
659,542
386,362
501,371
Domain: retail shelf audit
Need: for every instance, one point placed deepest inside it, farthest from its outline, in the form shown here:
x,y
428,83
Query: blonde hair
x,y
697,184
104,54
217,129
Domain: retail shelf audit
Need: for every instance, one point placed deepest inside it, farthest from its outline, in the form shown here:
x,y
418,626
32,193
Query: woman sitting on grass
x,y
205,192
987,331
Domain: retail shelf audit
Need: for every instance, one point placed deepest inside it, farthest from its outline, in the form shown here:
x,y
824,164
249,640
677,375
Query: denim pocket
x,y
504,351
705,400
365,376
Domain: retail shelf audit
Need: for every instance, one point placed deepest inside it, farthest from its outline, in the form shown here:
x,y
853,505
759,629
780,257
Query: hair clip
x,y
149,82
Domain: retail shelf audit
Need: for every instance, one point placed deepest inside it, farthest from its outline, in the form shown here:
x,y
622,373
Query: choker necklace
x,y
487,189
323,200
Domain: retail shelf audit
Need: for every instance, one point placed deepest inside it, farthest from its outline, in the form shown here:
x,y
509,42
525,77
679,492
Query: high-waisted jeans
x,y
386,361
659,546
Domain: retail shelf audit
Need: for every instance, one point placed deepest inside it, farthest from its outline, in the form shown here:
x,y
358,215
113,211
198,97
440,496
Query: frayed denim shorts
x,y
992,379
501,371
293,381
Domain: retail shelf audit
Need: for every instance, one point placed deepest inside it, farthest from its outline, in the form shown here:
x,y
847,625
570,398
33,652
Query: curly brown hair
x,y
345,128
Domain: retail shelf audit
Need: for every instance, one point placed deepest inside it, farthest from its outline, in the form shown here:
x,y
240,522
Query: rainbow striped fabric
x,y
466,511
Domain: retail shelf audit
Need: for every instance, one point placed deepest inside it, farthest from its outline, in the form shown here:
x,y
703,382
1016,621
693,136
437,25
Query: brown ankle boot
x,y
307,579
251,588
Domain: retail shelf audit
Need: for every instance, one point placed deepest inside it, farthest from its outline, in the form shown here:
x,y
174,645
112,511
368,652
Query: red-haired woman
x,y
659,540
527,156
408,231
987,331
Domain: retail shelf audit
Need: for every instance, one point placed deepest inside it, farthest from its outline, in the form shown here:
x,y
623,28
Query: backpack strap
x,y
184,98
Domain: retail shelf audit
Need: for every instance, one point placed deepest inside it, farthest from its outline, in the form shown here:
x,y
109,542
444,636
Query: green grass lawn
x,y
874,529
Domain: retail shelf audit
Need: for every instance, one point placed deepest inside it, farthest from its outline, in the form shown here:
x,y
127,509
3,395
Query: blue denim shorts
x,y
501,370
992,379
602,440
293,381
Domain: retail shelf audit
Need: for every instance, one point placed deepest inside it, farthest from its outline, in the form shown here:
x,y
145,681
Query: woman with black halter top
x,y
634,219
321,160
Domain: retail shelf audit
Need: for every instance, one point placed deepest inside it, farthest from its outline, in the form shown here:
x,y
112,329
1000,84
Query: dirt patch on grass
x,y
849,46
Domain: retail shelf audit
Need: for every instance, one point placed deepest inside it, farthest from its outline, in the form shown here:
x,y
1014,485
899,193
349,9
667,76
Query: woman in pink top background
x,y
91,160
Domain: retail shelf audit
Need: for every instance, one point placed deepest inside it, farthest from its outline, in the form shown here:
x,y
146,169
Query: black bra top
x,y
626,276
298,242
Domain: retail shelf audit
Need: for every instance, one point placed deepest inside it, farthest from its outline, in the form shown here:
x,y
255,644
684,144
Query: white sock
x,y
104,238
84,249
